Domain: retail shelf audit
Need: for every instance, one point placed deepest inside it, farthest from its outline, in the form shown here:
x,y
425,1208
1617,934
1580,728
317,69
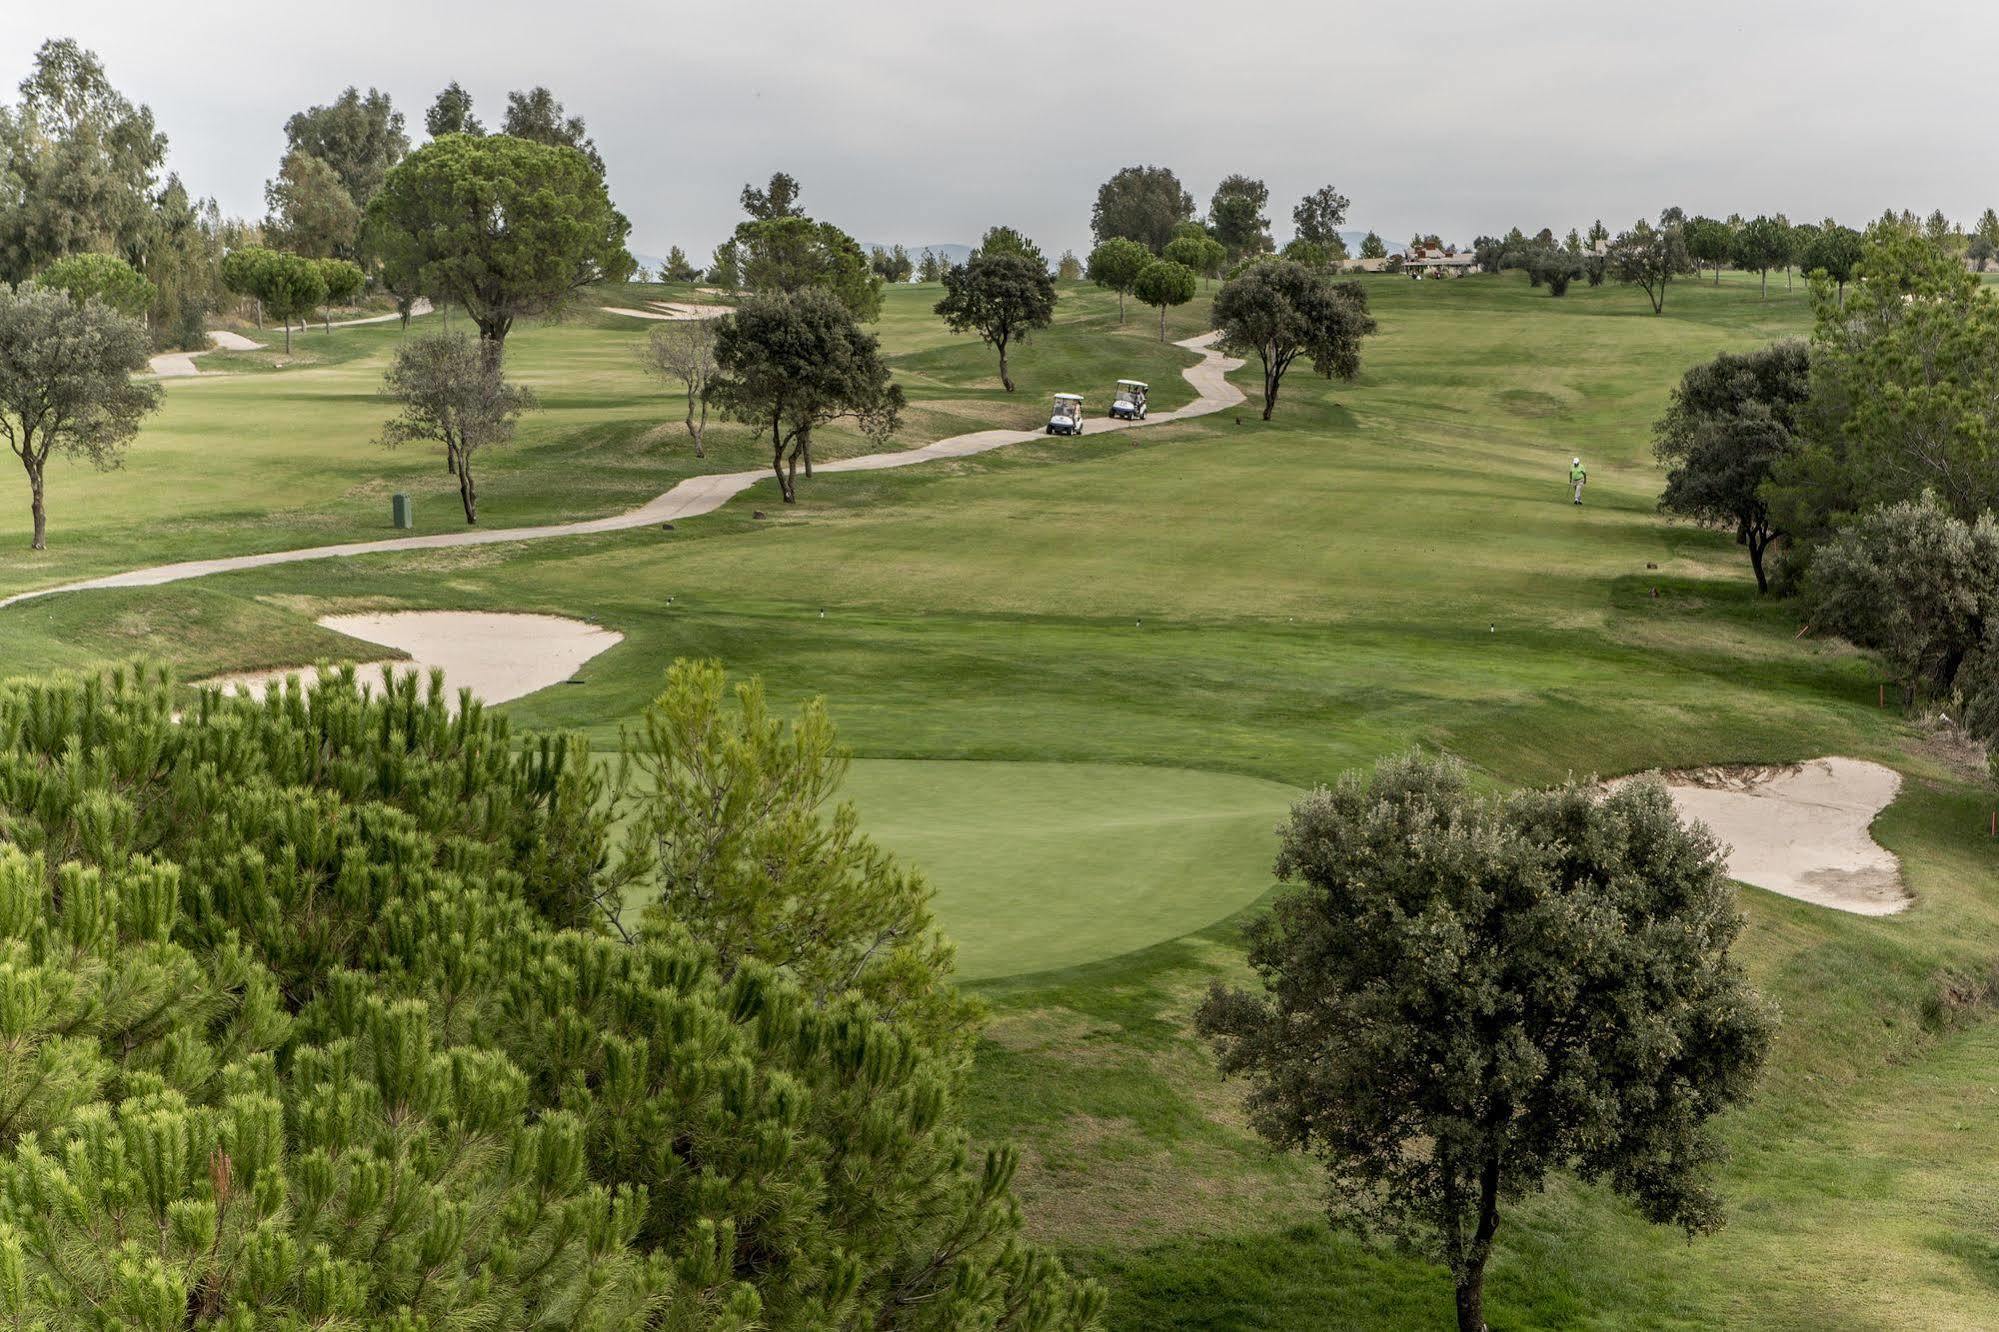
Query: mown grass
x,y
1389,563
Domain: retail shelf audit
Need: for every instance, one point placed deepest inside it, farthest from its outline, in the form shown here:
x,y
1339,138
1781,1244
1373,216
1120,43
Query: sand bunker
x,y
672,310
498,656
1802,831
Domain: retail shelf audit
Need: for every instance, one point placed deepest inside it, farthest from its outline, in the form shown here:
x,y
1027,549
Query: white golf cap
x,y
1578,460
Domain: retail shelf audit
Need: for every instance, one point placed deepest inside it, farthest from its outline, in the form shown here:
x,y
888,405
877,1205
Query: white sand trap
x,y
498,656
680,311
1802,831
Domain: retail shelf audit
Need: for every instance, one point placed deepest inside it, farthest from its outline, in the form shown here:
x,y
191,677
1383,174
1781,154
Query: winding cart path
x,y
694,496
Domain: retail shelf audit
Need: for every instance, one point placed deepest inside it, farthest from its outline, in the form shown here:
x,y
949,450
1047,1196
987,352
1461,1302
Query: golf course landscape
x,y
1083,681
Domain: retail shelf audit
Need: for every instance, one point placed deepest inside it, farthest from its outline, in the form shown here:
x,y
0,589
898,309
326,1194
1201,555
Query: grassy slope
x,y
266,451
1388,563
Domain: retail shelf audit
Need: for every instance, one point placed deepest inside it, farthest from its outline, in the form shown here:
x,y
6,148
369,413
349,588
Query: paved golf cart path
x,y
694,496
180,365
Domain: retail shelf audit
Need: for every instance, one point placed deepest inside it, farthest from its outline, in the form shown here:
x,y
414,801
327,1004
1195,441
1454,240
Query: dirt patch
x,y
1802,830
497,656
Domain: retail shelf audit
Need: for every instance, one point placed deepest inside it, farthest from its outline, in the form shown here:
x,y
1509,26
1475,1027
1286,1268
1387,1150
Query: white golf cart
x,y
1129,404
1067,418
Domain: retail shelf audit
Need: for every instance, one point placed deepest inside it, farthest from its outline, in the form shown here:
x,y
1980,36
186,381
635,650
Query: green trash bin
x,y
403,511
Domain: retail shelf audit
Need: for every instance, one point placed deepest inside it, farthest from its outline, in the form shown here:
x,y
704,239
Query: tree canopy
x,y
1835,251
451,113
332,1005
789,362
1319,216
1280,310
1142,204
1649,258
288,286
1730,423
1235,216
1905,391
535,115
1002,295
1164,283
502,226
791,253
311,211
1005,240
1462,995
778,198
452,391
359,136
1116,264
66,386
1710,242
1200,252
100,277
1759,245
1918,584
77,165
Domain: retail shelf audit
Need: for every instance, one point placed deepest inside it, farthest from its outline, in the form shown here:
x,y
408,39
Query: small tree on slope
x,y
1280,310
1000,295
1462,995
452,391
1731,421
66,386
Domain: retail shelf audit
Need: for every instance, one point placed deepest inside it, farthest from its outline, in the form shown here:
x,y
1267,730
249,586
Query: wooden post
x,y
1881,700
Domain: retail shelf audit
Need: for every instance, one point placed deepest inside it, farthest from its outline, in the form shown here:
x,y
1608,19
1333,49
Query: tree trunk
x,y
259,302
1162,323
791,478
41,539
694,431
450,457
1758,543
1470,1270
1120,308
466,493
1006,380
1766,284
1471,1301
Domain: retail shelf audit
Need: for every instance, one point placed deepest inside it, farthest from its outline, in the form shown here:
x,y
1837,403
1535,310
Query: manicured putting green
x,y
1039,866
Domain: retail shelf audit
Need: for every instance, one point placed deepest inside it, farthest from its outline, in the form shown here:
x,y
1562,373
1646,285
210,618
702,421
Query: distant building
x,y
1421,262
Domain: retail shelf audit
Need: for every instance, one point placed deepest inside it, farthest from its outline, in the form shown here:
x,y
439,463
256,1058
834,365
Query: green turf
x,y
1039,866
1389,563
271,451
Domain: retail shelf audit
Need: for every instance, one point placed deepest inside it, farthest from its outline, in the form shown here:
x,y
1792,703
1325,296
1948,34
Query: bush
x,y
296,957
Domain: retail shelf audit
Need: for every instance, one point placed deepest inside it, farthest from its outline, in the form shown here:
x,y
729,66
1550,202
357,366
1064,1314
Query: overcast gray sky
x,y
926,122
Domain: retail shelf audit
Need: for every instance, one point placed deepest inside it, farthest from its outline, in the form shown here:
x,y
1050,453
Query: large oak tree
x,y
1278,310
1143,204
501,226
793,361
1464,994
1000,296
1731,421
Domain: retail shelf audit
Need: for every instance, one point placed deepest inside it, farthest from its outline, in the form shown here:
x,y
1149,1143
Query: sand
x,y
1803,830
498,656
671,310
